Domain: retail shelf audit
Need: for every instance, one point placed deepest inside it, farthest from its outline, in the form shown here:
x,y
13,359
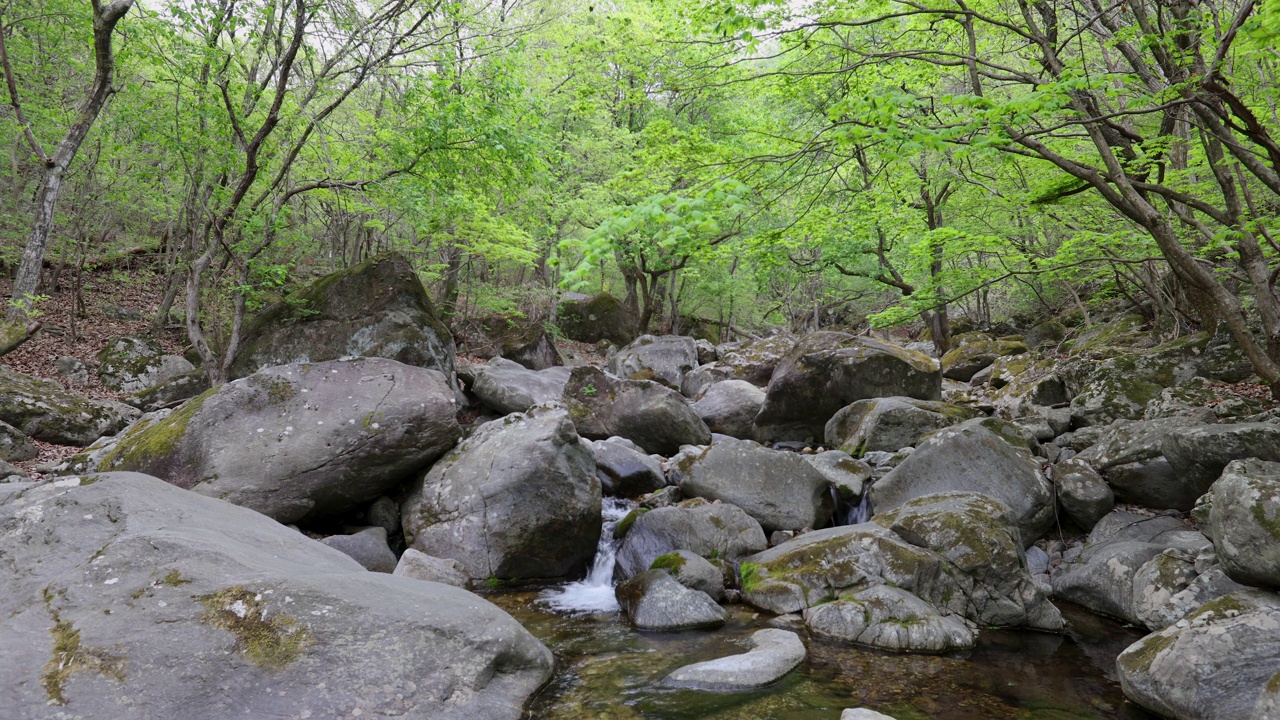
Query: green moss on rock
x,y
269,641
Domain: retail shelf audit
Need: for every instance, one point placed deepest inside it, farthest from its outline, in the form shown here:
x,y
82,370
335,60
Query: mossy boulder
x,y
890,424
890,618
131,364
1046,335
300,442
1241,513
653,416
517,338
1127,330
1083,494
693,571
826,371
656,601
44,411
15,446
1024,382
755,360
717,531
1131,457
1198,453
664,359
968,358
378,308
122,591
603,317
170,392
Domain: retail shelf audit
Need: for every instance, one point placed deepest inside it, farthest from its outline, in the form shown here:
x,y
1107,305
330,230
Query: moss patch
x,y
749,572
271,642
671,562
72,656
624,525
156,440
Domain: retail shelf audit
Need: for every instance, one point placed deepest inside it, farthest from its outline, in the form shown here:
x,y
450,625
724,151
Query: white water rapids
x,y
593,594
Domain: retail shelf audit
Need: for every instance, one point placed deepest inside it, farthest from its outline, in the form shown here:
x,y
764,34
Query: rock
x,y
626,471
1212,665
730,407
1198,454
826,371
967,359
845,475
509,387
375,309
299,442
517,500
591,320
1046,335
656,418
779,489
888,424
697,380
1131,459
710,530
706,351
421,566
693,571
12,473
1085,497
1190,399
666,497
1025,382
1241,513
891,619
664,359
131,364
862,714
124,591
982,456
171,392
773,654
44,411
653,600
72,370
367,547
517,338
14,445
756,360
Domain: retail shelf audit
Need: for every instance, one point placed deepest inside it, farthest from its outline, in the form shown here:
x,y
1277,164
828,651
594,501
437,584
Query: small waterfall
x,y
594,593
846,514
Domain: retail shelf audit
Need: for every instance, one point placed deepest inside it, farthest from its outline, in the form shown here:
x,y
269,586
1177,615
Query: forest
x,y
716,165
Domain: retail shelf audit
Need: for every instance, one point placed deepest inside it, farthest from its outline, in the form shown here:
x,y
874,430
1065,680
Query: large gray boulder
x,y
624,470
299,442
1130,458
826,371
126,596
773,653
755,361
983,456
1083,494
730,407
779,489
42,410
891,619
1241,513
711,530
421,566
378,308
509,387
592,319
961,363
890,424
517,500
664,359
1199,453
15,446
368,547
130,364
653,600
1214,664
654,417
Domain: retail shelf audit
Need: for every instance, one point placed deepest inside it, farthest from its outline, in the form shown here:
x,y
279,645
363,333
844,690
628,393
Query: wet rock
x,y
367,547
887,424
44,411
710,530
773,654
664,359
116,584
779,489
624,470
130,364
1241,513
653,600
15,446
890,619
656,418
509,387
299,442
1085,497
517,500
826,371
730,407
421,566
847,476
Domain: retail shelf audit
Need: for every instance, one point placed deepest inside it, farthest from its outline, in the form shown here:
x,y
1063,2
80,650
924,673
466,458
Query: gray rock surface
x,y
664,359
1130,457
72,370
653,600
15,446
862,714
517,500
755,361
1083,493
1241,514
773,654
126,596
299,442
421,566
655,417
891,619
130,364
509,387
730,407
367,547
1200,453
707,529
169,393
624,470
693,571
846,475
779,489
983,456
42,410
890,423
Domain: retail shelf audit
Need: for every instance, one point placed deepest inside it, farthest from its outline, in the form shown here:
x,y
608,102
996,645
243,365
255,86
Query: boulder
x,y
1213,664
367,547
12,473
863,714
962,362
653,600
171,392
847,476
1198,454
299,442
72,369
1130,457
697,380
1084,496
890,424
983,456
730,407
509,387
517,338
779,489
654,417
421,566
1241,514
375,309
710,530
122,591
756,360
890,619
15,446
44,411
826,371
590,320
774,653
624,470
1046,335
693,571
1024,382
664,359
130,364
517,500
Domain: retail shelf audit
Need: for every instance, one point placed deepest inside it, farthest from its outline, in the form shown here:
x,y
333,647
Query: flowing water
x,y
594,593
